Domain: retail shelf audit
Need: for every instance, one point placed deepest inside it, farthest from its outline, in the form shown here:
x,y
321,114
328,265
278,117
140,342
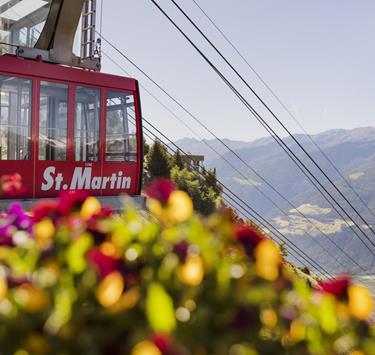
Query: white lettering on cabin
x,y
47,176
82,180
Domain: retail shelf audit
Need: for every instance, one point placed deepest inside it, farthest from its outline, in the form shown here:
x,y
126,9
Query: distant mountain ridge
x,y
352,151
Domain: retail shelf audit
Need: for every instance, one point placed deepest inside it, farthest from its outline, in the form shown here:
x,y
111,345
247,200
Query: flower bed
x,y
76,278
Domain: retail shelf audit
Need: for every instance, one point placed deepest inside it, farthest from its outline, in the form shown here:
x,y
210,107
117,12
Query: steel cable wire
x,y
300,164
260,191
270,111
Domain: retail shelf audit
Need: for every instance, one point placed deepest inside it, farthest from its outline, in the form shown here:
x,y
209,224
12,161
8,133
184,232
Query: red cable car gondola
x,y
65,128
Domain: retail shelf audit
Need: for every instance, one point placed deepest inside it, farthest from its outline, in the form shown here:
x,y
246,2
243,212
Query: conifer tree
x,y
177,160
158,161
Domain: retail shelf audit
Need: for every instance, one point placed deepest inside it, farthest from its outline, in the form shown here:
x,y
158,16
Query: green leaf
x,y
159,309
327,315
75,254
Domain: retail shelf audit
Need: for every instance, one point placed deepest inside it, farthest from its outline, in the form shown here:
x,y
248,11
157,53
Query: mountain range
x,y
263,175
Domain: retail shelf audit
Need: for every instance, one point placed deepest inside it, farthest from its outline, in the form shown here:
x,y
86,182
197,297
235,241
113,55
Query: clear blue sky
x,y
318,55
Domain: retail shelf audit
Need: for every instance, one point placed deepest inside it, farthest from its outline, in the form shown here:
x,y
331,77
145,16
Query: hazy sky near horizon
x,y
318,56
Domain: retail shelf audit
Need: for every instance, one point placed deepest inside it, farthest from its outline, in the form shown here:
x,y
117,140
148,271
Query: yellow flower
x,y
146,347
192,272
267,260
36,344
268,317
127,301
360,302
297,330
179,207
155,208
356,352
109,249
3,289
90,207
31,298
110,289
44,229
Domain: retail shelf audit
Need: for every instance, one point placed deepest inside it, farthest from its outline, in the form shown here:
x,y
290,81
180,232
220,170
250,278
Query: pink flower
x,y
337,287
249,237
160,190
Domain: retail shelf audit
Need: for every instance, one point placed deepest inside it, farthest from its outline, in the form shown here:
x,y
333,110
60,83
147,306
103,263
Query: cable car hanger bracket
x,y
55,44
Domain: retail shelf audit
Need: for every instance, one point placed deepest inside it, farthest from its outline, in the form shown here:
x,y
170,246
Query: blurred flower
x,y
90,207
37,344
162,341
110,289
360,302
177,209
127,300
267,260
268,317
14,219
297,330
44,208
71,201
104,264
160,190
3,289
11,185
337,287
21,219
181,249
146,347
30,298
192,271
45,229
180,207
249,237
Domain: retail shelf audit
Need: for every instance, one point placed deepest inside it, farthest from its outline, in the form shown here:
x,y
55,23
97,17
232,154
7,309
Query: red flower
x,y
104,264
162,342
181,249
337,287
11,185
249,237
160,190
71,200
44,208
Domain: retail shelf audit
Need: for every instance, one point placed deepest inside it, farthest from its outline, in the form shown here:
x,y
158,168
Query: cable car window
x,y
121,139
53,121
86,126
15,118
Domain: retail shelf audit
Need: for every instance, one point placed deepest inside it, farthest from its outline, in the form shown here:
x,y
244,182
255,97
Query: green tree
x,y
205,200
157,162
178,160
211,181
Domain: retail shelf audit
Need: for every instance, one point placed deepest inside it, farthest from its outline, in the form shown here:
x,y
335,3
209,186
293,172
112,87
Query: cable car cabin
x,y
63,128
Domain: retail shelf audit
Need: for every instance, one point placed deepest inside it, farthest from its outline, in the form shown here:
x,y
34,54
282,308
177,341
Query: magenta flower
x,y
14,219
